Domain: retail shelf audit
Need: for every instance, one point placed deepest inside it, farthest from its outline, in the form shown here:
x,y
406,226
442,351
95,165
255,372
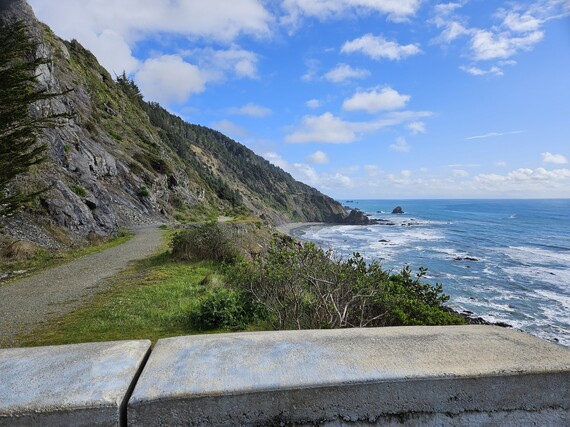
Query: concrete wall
x,y
464,375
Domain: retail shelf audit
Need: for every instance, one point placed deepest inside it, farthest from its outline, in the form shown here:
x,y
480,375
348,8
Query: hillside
x,y
120,161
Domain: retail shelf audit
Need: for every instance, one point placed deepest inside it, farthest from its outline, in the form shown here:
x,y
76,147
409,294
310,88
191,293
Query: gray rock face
x,y
91,185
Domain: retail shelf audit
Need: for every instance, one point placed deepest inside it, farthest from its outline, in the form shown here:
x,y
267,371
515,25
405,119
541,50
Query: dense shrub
x,y
226,309
303,287
208,241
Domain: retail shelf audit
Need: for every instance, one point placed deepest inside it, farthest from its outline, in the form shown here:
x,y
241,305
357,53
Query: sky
x,y
358,98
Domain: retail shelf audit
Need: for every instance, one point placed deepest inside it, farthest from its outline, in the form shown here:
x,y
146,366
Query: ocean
x,y
502,260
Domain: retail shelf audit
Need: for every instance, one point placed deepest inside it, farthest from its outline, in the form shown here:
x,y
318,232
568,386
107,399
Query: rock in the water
x,y
465,258
356,217
398,210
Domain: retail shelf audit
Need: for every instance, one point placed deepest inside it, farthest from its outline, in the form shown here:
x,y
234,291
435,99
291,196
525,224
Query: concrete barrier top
x,y
62,379
226,364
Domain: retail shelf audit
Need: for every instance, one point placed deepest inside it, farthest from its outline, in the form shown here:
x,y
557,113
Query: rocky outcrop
x,y
398,210
357,217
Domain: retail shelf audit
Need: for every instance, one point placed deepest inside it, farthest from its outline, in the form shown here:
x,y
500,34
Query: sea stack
x,y
397,210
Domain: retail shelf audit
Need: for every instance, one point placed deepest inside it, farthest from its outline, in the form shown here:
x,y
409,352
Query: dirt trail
x,y
27,303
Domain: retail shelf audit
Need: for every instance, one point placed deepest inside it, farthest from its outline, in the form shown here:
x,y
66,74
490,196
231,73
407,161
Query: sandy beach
x,y
289,227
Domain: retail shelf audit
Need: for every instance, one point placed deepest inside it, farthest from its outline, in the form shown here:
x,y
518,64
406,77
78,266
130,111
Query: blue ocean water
x,y
503,260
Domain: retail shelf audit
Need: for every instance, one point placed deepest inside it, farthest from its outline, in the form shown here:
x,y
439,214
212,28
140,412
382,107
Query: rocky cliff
x,y
120,161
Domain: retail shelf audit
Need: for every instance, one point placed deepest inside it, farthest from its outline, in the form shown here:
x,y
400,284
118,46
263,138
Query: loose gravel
x,y
27,303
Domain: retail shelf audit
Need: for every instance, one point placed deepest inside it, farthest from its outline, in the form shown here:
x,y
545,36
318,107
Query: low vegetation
x,y
303,287
294,285
225,277
209,241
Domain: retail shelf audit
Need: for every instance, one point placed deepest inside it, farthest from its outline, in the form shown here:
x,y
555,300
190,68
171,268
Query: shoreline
x,y
290,226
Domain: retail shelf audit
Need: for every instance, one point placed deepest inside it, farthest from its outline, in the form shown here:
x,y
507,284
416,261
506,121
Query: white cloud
x,y
519,29
452,31
230,129
400,145
313,103
501,164
464,165
452,24
521,23
372,170
318,157
377,47
329,129
251,109
111,31
443,9
242,62
397,10
137,19
168,79
557,159
219,62
460,173
417,127
343,72
404,178
488,45
476,71
307,174
113,52
312,70
376,100
524,175
325,128
493,134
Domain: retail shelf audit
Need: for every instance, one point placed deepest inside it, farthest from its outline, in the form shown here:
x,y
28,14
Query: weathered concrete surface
x,y
467,375
78,384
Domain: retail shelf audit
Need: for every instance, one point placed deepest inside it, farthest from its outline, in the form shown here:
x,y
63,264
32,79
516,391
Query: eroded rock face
x,y
89,191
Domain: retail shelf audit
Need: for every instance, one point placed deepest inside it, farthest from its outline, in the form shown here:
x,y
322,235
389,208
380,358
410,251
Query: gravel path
x,y
28,302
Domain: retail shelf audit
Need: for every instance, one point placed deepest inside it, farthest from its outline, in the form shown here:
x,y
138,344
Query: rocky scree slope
x,y
121,161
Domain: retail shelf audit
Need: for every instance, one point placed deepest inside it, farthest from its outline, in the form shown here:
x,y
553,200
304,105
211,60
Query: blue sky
x,y
358,98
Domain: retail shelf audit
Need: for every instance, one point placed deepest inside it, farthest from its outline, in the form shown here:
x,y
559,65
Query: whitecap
x,y
526,254
560,278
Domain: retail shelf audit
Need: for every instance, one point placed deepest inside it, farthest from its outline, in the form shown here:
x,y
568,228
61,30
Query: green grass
x,y
150,300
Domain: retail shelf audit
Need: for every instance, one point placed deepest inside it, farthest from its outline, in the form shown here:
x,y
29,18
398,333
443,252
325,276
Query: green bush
x,y
303,287
143,192
225,309
79,190
207,241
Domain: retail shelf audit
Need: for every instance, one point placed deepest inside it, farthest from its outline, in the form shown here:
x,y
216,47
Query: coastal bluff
x,y
453,375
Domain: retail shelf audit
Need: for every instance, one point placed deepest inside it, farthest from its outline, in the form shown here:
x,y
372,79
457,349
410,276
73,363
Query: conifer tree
x,y
19,127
